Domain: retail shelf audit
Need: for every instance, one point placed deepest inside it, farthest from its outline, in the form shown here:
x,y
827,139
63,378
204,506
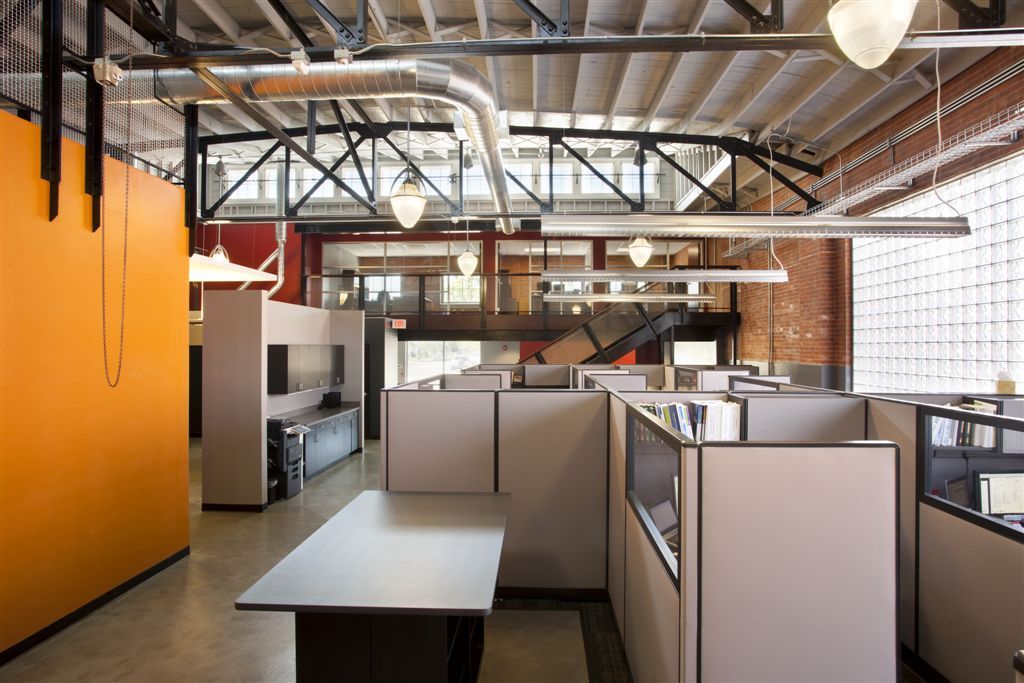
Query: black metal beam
x,y
973,16
95,15
545,26
723,204
293,24
311,126
544,206
633,204
801,192
294,209
208,213
192,177
347,134
760,23
390,225
146,22
257,115
353,38
52,99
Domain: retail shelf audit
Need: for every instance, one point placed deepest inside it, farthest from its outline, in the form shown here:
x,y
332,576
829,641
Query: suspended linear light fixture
x,y
694,275
408,201
639,298
749,225
640,250
208,269
867,31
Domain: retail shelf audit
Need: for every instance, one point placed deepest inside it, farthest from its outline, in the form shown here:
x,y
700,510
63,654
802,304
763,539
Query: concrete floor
x,y
181,624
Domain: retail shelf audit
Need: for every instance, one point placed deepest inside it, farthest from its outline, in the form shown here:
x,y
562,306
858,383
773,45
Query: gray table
x,y
392,588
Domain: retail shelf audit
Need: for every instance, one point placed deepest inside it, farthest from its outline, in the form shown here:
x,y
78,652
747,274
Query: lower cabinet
x,y
331,440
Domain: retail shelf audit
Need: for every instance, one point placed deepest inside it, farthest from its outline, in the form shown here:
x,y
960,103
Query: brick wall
x,y
813,311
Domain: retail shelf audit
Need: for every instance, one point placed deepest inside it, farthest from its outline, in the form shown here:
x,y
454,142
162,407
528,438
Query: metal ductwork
x,y
455,83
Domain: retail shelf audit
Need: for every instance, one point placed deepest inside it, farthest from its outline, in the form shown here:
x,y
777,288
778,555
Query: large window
x,y
270,183
376,284
306,178
591,184
474,182
248,190
945,314
562,171
631,178
524,173
459,290
428,358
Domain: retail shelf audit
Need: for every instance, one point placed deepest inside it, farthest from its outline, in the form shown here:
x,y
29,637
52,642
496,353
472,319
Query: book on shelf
x,y
948,432
698,421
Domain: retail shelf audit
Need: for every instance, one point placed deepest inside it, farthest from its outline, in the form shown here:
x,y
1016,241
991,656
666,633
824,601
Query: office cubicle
x,y
709,377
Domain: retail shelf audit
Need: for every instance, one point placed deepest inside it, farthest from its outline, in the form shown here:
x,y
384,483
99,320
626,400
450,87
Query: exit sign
x,y
398,324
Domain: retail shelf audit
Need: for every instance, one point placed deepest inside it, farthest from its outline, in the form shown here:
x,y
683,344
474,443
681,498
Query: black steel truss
x,y
759,23
646,142
973,16
349,37
545,26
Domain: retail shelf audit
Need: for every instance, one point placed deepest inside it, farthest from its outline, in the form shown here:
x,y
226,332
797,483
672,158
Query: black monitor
x,y
1000,493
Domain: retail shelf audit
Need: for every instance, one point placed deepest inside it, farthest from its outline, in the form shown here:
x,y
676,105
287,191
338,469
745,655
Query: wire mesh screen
x,y
157,137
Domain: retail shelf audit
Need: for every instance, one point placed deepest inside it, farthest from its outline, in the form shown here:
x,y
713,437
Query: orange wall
x,y
93,480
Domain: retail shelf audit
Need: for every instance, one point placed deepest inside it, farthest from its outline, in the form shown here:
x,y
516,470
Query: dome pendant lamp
x,y
868,31
408,201
640,251
467,260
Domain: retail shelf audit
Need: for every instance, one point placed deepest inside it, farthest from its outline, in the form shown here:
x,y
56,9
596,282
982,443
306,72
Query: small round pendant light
x,y
408,201
868,31
640,250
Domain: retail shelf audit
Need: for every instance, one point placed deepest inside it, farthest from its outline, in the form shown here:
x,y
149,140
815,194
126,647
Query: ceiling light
x,y
407,201
220,254
650,275
638,298
467,262
576,309
219,170
342,298
868,31
467,161
640,251
749,225
208,269
300,60
639,158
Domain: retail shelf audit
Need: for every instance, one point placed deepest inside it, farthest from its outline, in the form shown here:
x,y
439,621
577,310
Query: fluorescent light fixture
x,y
205,269
748,225
639,298
867,31
650,275
640,251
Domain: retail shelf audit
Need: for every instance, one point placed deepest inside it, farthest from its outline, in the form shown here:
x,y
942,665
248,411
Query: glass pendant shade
x,y
868,31
219,253
408,202
640,251
342,298
467,262
576,309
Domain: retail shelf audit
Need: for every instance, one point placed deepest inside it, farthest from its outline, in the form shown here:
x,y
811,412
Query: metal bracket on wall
x,y
95,27
52,99
759,23
545,26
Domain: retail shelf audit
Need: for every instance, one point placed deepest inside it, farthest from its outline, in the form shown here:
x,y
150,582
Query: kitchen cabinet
x,y
300,367
331,439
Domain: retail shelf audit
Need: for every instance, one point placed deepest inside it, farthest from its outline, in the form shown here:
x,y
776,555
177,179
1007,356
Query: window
x,y
270,183
441,176
248,190
377,284
474,182
562,171
458,290
350,176
429,358
524,173
631,178
306,178
591,184
931,315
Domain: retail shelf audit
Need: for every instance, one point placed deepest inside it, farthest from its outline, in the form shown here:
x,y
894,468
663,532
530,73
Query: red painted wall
x,y
248,244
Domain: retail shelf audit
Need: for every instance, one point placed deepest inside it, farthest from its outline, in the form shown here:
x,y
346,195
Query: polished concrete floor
x,y
181,624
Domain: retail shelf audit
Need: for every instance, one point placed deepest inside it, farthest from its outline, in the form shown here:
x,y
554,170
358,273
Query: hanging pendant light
x,y
342,298
576,309
868,31
467,262
640,251
408,201
219,253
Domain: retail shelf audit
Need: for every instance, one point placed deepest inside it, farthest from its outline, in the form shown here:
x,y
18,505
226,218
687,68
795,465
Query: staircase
x,y
610,334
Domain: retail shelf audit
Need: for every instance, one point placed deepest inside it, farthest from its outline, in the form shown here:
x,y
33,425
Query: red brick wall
x,y
813,310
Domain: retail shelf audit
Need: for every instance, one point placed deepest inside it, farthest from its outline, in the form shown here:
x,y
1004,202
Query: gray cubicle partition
x,y
618,381
438,441
546,376
759,383
504,374
553,459
474,380
802,417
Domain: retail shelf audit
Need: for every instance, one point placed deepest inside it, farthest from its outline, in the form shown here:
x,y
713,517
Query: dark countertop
x,y
312,414
393,553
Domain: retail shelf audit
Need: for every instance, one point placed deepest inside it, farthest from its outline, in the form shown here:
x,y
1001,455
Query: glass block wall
x,y
945,314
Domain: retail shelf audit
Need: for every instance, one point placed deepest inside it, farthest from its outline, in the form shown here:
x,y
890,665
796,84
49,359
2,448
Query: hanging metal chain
x,y
112,383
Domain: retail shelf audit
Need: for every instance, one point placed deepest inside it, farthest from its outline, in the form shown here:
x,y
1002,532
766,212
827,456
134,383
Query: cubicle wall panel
x,y
383,462
897,422
798,564
652,611
718,380
620,381
505,375
440,441
971,598
546,375
487,382
689,501
809,417
553,459
617,506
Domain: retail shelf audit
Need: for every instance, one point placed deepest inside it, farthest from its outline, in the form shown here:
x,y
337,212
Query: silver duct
x,y
455,83
281,232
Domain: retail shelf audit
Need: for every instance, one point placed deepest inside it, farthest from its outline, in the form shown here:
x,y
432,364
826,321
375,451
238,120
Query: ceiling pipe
x,y
457,84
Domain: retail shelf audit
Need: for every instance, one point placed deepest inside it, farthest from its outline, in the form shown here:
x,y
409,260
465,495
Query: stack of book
x,y
950,433
700,420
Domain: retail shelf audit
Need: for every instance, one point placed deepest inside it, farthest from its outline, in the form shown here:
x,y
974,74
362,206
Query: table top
x,y
313,414
391,552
